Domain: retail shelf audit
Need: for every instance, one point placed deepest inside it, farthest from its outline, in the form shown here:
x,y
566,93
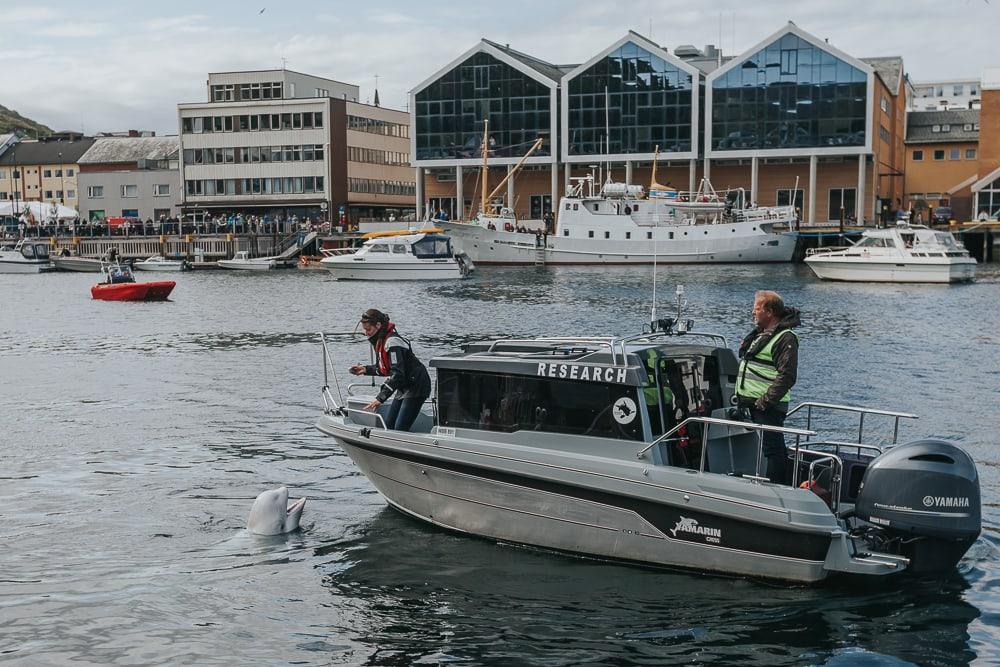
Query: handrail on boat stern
x,y
862,411
750,426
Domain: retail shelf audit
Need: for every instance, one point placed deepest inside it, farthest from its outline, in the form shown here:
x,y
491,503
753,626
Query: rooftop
x,y
130,149
47,151
920,126
889,69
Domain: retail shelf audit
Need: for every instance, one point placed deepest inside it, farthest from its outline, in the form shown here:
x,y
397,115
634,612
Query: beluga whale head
x,y
271,513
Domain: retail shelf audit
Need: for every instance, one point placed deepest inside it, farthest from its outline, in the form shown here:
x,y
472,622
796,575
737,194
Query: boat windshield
x,y
876,242
508,403
433,246
35,251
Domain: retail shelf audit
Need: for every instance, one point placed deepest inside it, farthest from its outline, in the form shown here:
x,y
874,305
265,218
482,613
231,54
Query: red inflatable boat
x,y
120,285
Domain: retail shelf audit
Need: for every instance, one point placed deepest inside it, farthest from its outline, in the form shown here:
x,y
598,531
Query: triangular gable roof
x,y
890,70
642,43
529,66
790,28
986,180
548,69
961,186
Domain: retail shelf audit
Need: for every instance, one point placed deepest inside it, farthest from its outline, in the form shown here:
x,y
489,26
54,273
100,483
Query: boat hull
x,y
78,264
24,267
166,266
692,244
887,271
346,268
544,511
151,291
246,266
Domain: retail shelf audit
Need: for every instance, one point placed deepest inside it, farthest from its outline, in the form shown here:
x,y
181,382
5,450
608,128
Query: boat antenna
x,y
656,226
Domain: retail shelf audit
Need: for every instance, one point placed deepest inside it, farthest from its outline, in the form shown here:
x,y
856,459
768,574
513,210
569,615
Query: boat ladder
x,y
540,255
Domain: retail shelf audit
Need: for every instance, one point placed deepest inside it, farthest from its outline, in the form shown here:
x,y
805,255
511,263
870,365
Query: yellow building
x,y
43,170
942,160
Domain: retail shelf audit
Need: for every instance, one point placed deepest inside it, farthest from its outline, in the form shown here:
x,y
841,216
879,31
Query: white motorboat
x,y
244,262
66,261
25,256
424,254
902,254
160,263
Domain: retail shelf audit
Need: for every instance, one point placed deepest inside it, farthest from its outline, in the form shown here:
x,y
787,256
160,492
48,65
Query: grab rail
x,y
836,473
760,428
602,342
327,367
809,405
374,414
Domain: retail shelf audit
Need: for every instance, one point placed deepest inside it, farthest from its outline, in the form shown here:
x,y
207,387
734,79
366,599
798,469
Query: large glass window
x,y
636,98
450,112
509,403
789,94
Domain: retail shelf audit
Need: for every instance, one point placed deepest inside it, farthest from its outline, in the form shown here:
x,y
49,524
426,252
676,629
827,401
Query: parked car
x,y
941,215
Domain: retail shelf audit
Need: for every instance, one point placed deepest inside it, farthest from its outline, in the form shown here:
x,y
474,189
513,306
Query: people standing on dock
x,y
408,379
769,358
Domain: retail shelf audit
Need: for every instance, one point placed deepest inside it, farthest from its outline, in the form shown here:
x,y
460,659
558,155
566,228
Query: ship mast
x,y
485,168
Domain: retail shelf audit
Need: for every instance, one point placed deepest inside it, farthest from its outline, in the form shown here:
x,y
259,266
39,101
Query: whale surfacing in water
x,y
271,513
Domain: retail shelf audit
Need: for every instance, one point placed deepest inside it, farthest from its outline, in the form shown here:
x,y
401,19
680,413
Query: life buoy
x,y
813,485
303,260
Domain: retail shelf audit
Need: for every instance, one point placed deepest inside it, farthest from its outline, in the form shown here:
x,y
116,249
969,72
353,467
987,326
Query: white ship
x,y
621,225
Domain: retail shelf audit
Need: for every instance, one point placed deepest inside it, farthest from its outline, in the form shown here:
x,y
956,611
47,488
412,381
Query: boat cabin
x,y
600,388
421,246
28,250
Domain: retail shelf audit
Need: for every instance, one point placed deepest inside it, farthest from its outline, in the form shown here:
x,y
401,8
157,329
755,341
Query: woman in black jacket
x,y
394,358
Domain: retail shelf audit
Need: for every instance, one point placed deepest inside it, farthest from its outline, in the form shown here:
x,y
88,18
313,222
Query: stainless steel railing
x,y
862,411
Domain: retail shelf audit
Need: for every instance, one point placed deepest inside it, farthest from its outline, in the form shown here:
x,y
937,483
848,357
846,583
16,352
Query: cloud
x,y
75,30
135,75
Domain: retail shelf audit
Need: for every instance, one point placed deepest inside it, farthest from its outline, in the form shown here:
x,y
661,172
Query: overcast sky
x,y
115,65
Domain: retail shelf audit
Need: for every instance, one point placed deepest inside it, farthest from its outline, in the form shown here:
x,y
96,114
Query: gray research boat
x,y
627,449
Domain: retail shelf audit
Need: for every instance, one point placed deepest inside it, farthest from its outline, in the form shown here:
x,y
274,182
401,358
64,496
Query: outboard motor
x,y
923,497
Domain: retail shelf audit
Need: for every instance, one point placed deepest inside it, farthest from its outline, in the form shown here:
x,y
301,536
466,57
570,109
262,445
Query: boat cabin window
x,y
508,403
433,246
378,247
399,249
871,242
37,251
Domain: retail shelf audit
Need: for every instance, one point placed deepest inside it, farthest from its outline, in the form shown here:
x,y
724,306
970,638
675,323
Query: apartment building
x,y
132,177
283,143
43,170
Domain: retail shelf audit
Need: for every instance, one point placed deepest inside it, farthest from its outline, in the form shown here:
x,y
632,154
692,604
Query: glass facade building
x,y
791,94
449,113
642,99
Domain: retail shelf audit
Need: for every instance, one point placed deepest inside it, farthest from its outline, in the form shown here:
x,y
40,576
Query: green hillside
x,y
12,120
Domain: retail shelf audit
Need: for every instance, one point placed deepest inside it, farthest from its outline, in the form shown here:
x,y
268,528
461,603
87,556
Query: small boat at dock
x,y
160,263
423,254
25,256
242,261
902,254
65,261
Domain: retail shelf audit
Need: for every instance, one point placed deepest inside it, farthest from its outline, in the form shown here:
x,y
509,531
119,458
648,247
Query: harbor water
x,y
134,437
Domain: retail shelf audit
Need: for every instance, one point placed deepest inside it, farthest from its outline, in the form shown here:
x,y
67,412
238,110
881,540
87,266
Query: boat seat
x,y
731,451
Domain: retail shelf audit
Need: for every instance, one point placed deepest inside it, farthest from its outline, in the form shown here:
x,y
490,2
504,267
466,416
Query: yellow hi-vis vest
x,y
756,373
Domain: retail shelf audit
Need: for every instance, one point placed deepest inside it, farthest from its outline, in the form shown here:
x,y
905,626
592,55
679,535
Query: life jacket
x,y
382,354
757,370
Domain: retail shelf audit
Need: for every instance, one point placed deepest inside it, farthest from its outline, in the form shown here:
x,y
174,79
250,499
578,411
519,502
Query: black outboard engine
x,y
923,497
